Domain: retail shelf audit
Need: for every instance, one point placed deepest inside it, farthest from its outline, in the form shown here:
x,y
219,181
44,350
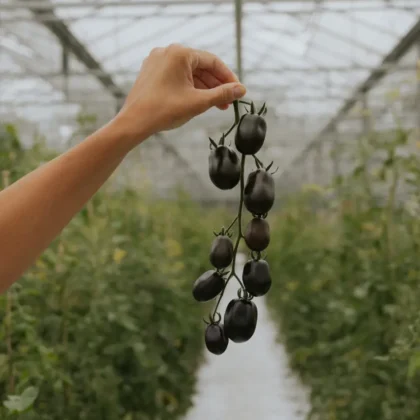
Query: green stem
x,y
236,109
231,128
237,118
389,221
8,322
241,201
239,280
238,239
64,321
257,160
230,226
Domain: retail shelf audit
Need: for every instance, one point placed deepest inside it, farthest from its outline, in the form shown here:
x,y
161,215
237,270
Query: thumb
x,y
224,94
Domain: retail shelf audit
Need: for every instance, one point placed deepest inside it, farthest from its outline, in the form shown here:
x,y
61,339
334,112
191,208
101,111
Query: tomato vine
x,y
226,171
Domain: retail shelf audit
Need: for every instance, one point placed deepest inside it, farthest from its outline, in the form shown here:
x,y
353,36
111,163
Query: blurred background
x,y
104,325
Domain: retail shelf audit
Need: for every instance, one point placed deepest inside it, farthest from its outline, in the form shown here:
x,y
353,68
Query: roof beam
x,y
385,67
30,64
345,38
316,45
378,73
274,96
139,3
139,15
154,36
75,46
400,49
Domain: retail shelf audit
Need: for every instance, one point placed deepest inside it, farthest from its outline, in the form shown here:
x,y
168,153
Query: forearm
x,y
174,85
35,209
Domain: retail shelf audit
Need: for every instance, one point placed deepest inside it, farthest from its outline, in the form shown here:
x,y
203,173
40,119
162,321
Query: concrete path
x,y
250,381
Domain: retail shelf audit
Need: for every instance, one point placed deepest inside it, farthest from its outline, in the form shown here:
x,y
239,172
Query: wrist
x,y
133,125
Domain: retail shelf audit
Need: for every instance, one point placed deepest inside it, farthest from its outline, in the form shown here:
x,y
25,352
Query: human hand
x,y
174,85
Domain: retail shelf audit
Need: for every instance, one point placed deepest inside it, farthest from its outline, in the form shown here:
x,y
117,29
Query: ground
x,y
250,381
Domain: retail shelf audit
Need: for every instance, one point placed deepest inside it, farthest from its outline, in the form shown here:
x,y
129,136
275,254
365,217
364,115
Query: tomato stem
x,y
231,225
212,143
239,281
258,162
237,118
230,129
236,109
238,239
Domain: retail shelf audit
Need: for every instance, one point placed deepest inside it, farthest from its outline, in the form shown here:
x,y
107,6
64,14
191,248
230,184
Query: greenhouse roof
x,y
305,58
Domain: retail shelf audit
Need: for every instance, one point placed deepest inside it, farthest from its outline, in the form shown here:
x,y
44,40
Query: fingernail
x,y
239,91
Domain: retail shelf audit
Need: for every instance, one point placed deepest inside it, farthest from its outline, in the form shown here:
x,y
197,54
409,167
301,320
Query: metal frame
x,y
71,73
238,33
44,12
23,4
70,42
399,50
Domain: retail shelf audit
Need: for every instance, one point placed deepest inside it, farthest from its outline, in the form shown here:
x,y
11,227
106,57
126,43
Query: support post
x,y
65,68
365,115
318,163
238,22
335,150
417,108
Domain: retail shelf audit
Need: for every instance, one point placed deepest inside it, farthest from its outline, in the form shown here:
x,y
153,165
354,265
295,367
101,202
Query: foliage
x,y
347,290
102,326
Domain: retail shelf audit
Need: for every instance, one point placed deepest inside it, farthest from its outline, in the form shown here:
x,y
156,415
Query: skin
x,y
174,85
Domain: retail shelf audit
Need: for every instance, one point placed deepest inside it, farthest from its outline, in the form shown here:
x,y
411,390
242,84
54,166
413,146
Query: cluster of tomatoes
x,y
226,171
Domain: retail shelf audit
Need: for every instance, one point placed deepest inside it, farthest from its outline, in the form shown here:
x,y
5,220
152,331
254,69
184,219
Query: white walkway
x,y
250,381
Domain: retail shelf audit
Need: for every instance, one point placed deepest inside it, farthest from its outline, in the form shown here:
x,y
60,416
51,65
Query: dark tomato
x,y
208,286
221,254
259,192
240,320
256,277
216,339
250,134
257,234
224,168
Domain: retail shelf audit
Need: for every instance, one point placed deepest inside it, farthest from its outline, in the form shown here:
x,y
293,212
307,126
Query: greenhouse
x,y
286,287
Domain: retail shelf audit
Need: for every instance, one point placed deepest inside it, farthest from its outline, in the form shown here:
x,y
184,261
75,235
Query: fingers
x,y
157,50
223,95
207,81
201,60
204,60
213,72
199,84
210,80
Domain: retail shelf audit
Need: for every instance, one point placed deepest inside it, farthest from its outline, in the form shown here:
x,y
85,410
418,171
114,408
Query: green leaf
x,y
413,364
3,359
120,239
401,137
382,358
21,403
128,323
389,161
358,171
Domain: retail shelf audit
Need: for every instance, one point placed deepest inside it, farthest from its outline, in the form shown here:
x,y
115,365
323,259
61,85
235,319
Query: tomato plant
x,y
348,269
101,327
226,170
